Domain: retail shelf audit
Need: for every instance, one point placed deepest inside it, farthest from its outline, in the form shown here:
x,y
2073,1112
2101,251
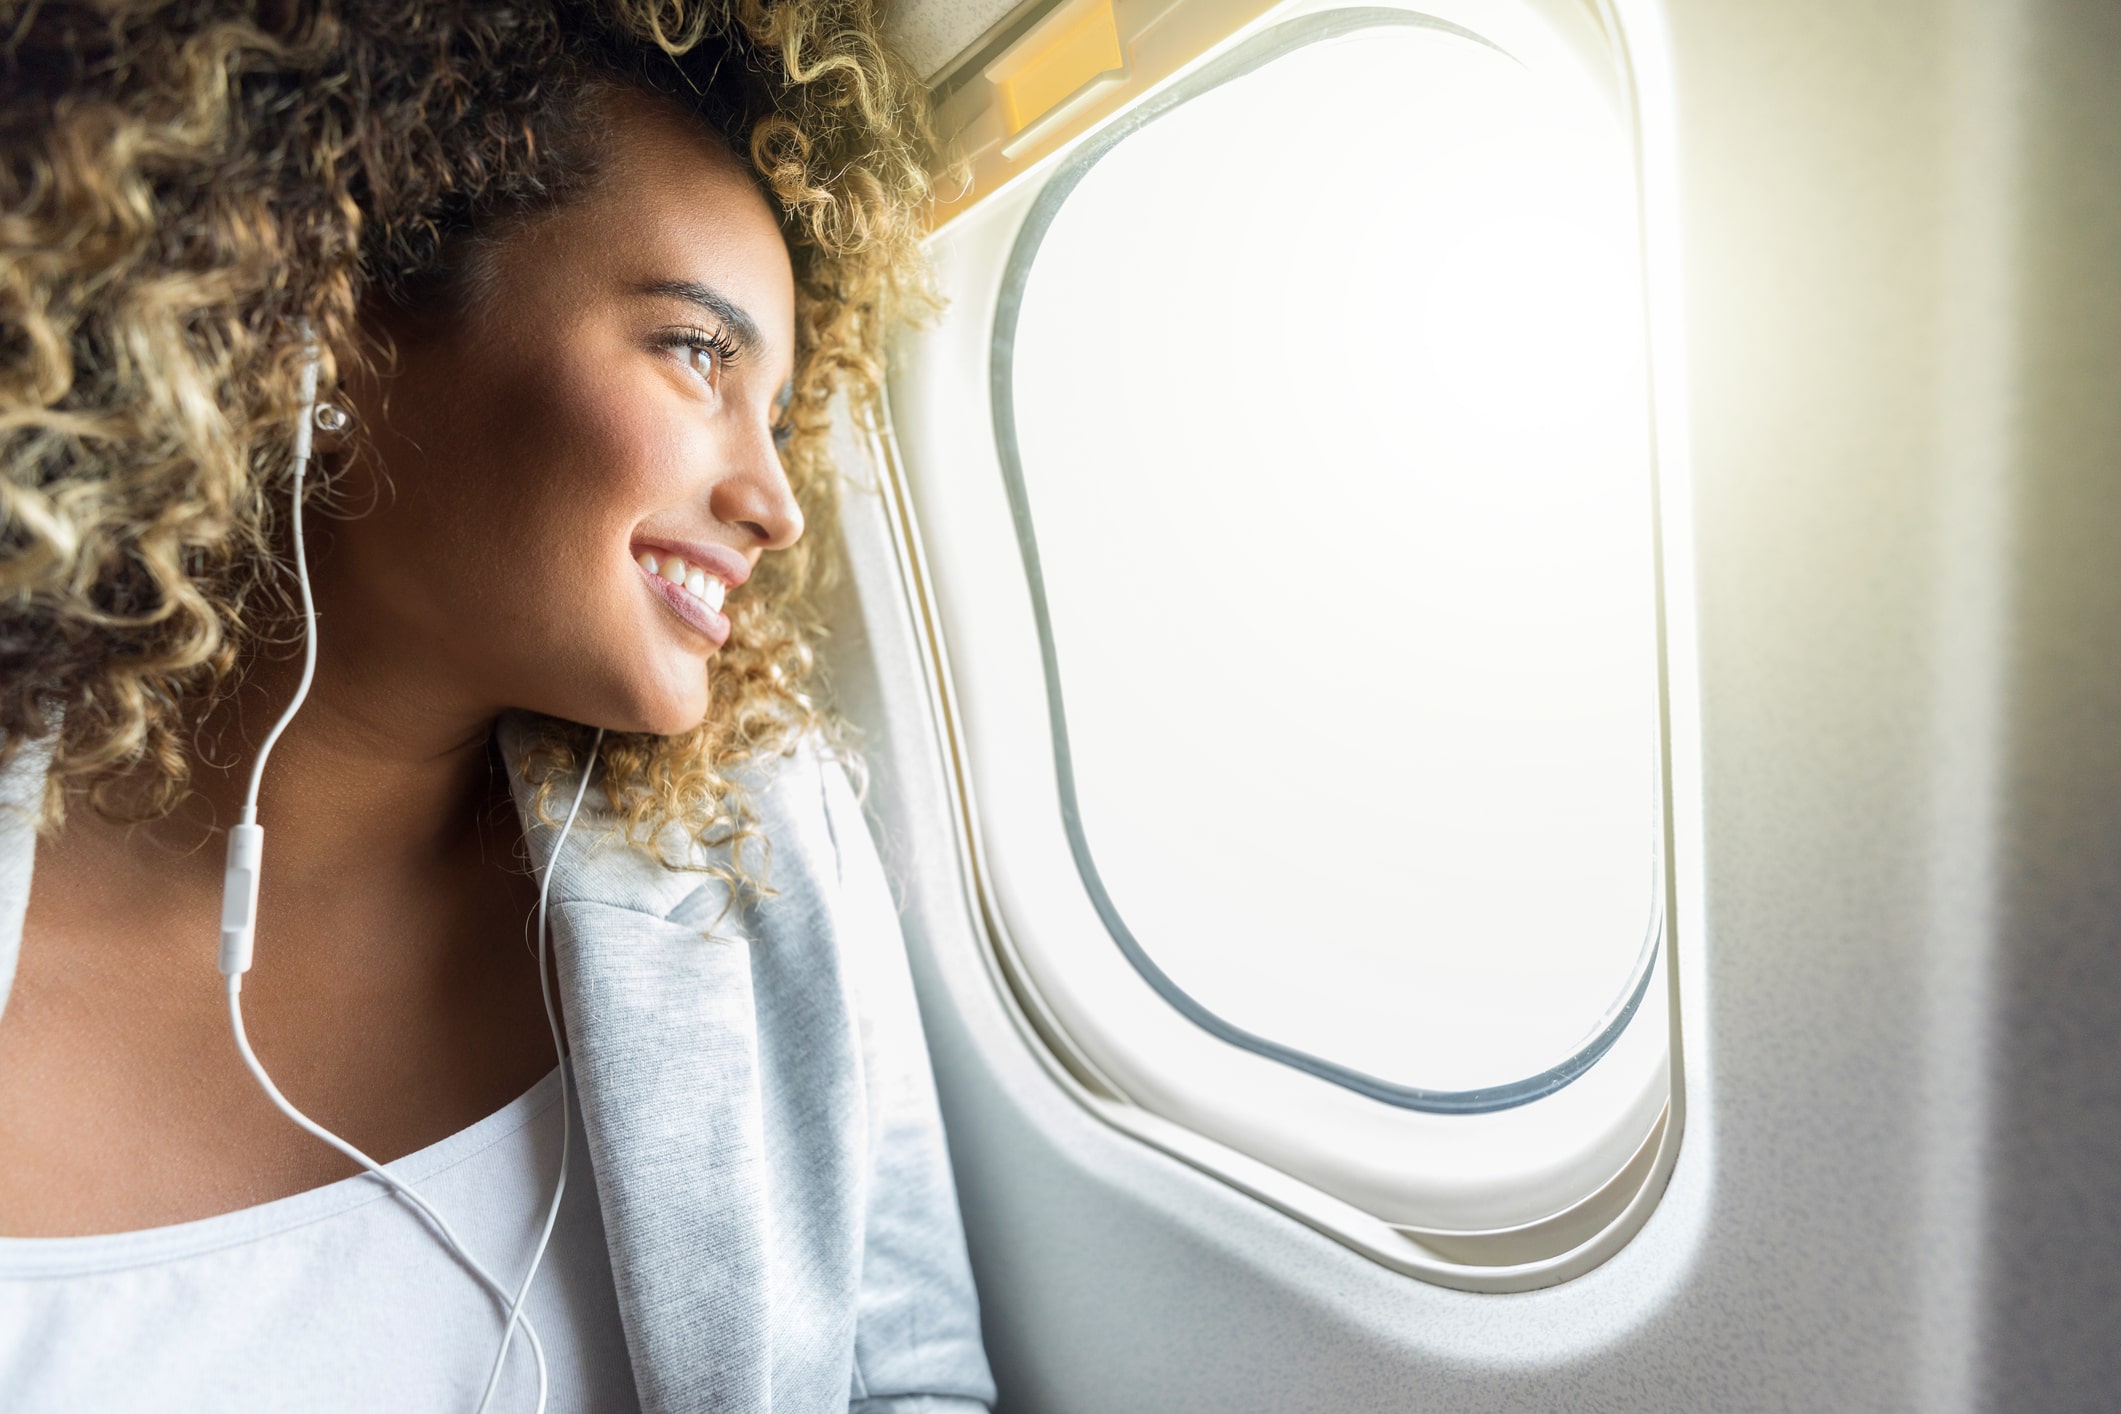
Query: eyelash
x,y
724,348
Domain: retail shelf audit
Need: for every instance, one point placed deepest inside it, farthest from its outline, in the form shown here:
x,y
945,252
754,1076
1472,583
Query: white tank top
x,y
332,1301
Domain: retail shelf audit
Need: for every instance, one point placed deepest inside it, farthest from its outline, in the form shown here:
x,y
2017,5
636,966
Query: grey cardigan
x,y
762,1122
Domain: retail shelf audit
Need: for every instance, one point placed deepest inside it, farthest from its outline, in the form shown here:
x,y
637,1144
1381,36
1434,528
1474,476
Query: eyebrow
x,y
740,326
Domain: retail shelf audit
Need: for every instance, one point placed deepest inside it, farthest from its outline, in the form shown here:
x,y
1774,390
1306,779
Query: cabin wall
x,y
2050,1308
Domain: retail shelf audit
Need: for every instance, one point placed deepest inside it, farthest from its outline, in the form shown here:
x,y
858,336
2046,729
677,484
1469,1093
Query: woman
x,y
582,280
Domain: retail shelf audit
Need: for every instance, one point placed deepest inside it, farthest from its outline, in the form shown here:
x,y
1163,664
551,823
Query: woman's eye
x,y
707,354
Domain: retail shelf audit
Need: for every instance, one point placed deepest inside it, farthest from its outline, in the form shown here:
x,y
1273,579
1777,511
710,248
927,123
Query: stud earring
x,y
332,418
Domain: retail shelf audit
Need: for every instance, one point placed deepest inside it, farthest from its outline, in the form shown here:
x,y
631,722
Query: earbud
x,y
330,417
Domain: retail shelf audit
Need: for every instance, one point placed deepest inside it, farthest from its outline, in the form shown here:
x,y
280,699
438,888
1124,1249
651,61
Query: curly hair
x,y
182,182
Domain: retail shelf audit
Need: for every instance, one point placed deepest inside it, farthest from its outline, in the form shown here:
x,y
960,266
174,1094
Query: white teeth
x,y
706,589
696,582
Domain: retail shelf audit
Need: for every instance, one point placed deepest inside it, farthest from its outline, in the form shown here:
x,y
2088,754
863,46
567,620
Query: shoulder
x,y
822,873
830,910
806,810
21,797
803,820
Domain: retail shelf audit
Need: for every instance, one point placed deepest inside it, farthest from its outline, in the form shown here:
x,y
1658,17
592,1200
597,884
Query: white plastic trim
x,y
1464,1200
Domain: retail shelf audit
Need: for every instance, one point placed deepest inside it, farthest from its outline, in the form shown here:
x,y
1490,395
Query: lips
x,y
672,578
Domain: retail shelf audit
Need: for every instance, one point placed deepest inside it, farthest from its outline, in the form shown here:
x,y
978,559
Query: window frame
x,y
1566,1221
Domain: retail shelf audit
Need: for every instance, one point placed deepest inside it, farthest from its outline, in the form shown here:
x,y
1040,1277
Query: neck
x,y
374,778
369,768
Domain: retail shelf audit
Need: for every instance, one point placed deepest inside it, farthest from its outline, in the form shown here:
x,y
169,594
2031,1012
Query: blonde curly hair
x,y
183,182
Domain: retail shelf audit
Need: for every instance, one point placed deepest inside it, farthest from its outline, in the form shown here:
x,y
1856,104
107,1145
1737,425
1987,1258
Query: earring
x,y
332,418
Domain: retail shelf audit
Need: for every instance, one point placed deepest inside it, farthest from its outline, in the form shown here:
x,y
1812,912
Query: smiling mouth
x,y
689,592
690,580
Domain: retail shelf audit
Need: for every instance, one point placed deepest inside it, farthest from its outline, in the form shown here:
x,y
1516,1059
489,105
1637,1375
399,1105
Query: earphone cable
x,y
552,1019
405,1191
239,911
303,436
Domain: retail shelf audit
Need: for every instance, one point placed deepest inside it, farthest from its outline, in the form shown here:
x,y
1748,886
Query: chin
x,y
677,724
673,713
642,708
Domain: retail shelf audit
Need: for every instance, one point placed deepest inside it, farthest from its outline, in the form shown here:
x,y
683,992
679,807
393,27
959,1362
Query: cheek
x,y
504,552
576,454
598,450
590,443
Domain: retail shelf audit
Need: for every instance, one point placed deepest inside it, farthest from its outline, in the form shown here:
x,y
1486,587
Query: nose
x,y
755,496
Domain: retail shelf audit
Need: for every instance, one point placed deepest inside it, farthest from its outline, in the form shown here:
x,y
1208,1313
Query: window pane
x,y
1329,403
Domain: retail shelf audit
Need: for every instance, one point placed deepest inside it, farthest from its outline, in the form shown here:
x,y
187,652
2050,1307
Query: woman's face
x,y
607,401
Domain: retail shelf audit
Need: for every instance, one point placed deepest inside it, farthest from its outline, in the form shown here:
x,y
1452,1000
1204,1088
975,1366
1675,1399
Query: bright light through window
x,y
1330,407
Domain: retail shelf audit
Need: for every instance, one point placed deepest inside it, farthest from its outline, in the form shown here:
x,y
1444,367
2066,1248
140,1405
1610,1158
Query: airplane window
x,y
1321,399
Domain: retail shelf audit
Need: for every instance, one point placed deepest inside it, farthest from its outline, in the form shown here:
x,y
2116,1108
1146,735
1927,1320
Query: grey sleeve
x,y
917,1343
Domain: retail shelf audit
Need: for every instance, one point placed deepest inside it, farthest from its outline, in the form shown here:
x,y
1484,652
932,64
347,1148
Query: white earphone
x,y
239,918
